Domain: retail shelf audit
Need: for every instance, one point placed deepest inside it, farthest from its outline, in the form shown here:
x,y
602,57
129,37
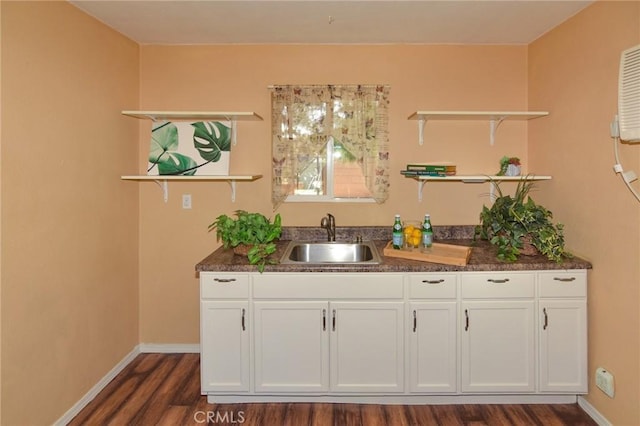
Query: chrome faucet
x,y
329,223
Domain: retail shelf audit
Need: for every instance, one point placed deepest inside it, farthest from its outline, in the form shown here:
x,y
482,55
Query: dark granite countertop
x,y
483,254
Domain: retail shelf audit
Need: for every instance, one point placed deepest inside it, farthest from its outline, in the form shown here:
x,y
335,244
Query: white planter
x,y
512,170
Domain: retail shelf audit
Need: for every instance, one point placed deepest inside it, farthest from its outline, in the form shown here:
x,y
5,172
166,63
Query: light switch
x,y
186,201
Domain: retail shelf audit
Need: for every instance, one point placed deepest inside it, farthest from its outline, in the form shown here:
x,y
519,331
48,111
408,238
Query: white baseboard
x,y
93,392
141,348
592,412
170,348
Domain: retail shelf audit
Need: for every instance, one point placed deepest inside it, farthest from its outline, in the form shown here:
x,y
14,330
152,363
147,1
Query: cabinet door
x,y
432,345
497,346
563,345
224,352
291,346
366,346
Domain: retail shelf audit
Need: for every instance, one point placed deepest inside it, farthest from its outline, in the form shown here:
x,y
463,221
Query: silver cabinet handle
x,y
440,281
498,281
243,316
546,319
415,321
466,323
564,280
224,280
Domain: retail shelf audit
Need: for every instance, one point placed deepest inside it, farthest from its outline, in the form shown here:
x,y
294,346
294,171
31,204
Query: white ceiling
x,y
332,22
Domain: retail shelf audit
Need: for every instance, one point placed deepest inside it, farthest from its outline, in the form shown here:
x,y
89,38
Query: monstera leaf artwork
x,y
211,139
183,148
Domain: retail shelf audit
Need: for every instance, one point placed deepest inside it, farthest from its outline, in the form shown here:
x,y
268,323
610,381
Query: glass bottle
x,y
397,233
427,232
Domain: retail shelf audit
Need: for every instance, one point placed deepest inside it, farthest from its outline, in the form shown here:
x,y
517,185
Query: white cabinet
x,y
224,333
432,336
393,337
224,341
367,347
432,346
291,346
333,340
562,331
497,326
498,346
318,346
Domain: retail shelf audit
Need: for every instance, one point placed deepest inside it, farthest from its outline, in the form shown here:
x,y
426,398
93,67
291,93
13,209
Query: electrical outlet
x,y
186,201
604,381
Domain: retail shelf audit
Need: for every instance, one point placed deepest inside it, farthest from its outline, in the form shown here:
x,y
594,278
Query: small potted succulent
x,y
251,235
517,225
509,166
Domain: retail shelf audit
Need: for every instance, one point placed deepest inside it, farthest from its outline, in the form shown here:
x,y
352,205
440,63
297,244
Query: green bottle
x,y
397,233
427,232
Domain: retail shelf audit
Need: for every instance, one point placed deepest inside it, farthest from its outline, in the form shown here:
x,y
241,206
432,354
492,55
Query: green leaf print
x,y
173,163
163,138
210,138
163,152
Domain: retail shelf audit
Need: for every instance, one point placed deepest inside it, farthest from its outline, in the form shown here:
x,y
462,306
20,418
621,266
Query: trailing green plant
x,y
511,222
251,229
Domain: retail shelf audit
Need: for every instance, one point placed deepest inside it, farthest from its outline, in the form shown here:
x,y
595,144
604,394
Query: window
x,y
330,143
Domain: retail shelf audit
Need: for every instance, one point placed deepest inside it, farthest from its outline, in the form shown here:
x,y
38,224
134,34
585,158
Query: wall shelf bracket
x,y
420,187
493,126
232,184
234,130
164,187
421,123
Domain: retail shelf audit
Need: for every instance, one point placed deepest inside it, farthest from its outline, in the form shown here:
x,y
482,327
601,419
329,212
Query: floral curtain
x,y
304,118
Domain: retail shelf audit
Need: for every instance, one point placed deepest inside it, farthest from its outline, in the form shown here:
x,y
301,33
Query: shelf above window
x,y
474,179
162,181
495,118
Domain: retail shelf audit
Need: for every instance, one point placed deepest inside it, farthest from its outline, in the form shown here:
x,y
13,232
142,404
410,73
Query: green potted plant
x,y
517,225
509,166
250,234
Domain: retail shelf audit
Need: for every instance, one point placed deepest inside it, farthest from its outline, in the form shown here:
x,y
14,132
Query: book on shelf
x,y
412,173
449,169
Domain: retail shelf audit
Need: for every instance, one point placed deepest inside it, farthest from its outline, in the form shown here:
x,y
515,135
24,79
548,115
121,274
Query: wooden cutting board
x,y
449,254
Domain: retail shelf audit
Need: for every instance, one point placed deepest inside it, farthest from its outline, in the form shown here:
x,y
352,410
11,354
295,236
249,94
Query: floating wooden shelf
x,y
495,118
193,115
162,181
474,179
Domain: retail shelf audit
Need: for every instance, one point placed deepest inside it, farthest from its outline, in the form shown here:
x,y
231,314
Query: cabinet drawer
x,y
432,286
563,284
490,285
327,286
223,286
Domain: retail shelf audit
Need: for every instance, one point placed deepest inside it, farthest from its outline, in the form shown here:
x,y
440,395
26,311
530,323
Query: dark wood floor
x,y
164,389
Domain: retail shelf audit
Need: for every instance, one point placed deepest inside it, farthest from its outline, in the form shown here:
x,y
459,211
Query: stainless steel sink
x,y
324,252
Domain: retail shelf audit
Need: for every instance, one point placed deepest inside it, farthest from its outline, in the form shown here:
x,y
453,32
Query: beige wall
x,y
235,78
69,225
573,71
